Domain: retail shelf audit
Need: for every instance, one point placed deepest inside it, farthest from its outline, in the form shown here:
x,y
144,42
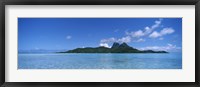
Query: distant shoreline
x,y
116,48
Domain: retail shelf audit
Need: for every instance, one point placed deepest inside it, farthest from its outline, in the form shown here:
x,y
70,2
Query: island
x,y
116,48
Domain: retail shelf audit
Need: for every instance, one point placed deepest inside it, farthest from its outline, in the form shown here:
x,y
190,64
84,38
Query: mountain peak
x,y
116,48
115,45
124,45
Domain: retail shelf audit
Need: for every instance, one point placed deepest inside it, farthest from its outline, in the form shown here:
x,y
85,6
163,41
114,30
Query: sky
x,y
70,33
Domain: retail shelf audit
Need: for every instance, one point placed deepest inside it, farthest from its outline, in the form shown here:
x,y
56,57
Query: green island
x,y
116,48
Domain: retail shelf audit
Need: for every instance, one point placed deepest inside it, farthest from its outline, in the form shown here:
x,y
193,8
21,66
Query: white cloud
x,y
146,31
168,47
140,40
104,45
156,25
112,39
138,33
167,31
126,39
68,37
164,31
155,34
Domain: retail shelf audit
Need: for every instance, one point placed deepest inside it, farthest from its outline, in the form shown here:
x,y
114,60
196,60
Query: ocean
x,y
100,61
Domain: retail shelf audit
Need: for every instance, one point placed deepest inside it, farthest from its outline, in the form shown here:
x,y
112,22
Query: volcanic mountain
x,y
116,48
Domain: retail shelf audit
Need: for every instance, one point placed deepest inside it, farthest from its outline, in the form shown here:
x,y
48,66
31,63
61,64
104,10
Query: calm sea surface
x,y
100,61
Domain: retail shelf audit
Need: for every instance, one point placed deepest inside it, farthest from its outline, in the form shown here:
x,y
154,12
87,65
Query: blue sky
x,y
70,33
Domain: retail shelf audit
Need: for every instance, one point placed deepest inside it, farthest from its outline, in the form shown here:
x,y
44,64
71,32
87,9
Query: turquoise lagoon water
x,y
100,61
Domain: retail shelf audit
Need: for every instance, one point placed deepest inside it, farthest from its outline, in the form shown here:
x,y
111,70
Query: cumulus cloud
x,y
126,39
154,26
140,40
157,24
168,47
167,31
164,31
104,45
112,39
106,42
68,37
138,33
155,34
137,36
147,30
